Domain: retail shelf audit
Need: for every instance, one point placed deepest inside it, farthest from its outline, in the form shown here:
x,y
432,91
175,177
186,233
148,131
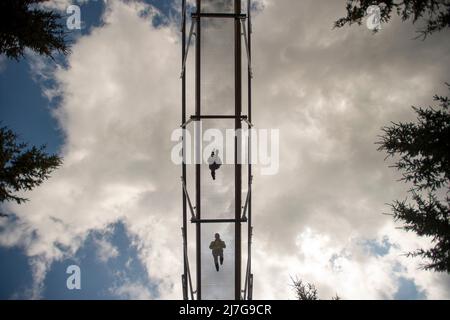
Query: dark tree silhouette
x,y
336,297
306,290
435,13
22,168
422,153
22,25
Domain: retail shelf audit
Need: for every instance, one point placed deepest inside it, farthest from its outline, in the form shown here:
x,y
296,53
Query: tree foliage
x,y
24,25
307,291
422,153
434,13
22,168
304,290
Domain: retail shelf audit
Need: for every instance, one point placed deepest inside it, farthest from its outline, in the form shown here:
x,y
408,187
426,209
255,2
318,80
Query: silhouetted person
x,y
217,247
214,163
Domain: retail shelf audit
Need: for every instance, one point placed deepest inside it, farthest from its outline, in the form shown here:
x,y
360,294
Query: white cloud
x,y
346,267
132,290
62,5
105,250
329,91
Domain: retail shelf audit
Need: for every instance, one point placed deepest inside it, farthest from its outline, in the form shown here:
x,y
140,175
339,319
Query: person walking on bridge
x,y
217,247
214,163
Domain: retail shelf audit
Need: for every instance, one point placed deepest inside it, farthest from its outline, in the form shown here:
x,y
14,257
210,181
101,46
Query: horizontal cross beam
x,y
196,118
218,220
217,116
195,15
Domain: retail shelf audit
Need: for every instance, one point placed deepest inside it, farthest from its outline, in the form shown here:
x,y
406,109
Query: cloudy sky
x,y
114,207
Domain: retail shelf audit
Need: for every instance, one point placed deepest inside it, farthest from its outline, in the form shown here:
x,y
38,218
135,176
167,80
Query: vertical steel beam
x,y
237,147
183,120
249,152
197,165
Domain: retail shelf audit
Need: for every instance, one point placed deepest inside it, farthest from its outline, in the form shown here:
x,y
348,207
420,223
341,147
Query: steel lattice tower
x,y
242,210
